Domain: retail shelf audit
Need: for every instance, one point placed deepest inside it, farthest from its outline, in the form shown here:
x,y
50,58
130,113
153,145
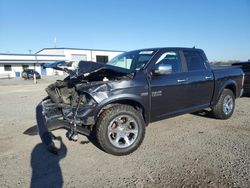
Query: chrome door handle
x,y
208,77
180,81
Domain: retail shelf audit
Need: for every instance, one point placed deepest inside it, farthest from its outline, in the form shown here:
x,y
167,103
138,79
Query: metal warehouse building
x,y
11,65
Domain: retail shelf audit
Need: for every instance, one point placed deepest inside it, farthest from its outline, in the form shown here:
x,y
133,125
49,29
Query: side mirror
x,y
162,69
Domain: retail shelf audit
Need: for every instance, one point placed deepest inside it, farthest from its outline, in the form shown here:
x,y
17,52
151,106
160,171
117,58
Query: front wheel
x,y
120,130
225,105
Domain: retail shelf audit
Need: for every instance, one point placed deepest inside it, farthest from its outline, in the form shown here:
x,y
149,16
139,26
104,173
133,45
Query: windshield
x,y
135,60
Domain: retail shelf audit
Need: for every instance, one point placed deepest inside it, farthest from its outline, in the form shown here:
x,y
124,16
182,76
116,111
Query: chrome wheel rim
x,y
228,104
123,131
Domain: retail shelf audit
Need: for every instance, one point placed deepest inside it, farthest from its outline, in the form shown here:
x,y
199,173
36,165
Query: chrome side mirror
x,y
162,69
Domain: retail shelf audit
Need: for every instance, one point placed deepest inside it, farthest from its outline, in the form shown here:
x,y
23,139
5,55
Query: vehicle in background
x,y
29,74
245,66
117,100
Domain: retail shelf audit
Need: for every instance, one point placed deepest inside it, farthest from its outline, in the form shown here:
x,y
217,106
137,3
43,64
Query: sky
x,y
220,27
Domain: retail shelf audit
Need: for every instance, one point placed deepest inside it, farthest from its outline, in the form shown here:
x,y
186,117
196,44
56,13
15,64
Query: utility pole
x,y
34,76
55,42
91,55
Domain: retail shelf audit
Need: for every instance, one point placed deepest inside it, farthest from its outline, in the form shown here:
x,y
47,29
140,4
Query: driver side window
x,y
170,58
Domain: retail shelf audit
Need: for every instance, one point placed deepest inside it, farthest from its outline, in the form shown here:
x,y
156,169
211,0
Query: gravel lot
x,y
190,150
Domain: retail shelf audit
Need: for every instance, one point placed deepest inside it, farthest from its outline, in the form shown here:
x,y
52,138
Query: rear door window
x,y
195,61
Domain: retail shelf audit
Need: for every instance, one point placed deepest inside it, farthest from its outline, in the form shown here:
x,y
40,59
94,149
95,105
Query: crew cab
x,y
117,100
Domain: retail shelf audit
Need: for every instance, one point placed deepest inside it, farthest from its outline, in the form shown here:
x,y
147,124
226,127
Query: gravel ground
x,y
192,150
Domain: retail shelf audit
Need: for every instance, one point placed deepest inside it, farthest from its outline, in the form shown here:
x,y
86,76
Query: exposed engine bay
x,y
74,99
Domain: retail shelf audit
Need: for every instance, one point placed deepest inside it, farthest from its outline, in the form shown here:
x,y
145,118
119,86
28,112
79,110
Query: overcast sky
x,y
220,27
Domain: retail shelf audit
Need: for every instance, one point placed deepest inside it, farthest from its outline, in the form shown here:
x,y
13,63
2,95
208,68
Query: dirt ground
x,y
191,150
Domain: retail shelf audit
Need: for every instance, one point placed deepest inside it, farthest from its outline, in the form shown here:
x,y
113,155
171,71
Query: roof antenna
x,y
193,47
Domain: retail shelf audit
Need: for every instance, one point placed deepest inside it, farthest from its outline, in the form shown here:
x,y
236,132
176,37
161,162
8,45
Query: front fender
x,y
122,98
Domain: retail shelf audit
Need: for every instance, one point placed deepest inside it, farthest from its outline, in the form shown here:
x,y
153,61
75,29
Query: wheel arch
x,y
134,102
231,85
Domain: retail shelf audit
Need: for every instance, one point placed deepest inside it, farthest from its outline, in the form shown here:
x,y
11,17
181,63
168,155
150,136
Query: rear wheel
x,y
225,106
120,130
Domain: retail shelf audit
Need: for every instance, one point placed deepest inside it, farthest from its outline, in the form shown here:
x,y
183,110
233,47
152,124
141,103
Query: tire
x,y
225,105
24,75
120,130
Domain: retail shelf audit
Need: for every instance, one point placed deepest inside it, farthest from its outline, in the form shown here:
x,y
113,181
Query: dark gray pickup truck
x,y
117,100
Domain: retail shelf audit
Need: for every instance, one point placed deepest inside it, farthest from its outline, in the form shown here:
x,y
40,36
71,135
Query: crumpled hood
x,y
89,66
59,65
85,67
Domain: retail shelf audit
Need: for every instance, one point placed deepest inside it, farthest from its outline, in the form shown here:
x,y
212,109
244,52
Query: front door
x,y
168,92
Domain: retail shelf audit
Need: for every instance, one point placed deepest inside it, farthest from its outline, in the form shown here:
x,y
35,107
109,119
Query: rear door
x,y
200,79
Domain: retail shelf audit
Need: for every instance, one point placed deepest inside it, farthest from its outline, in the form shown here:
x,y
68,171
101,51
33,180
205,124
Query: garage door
x,y
78,57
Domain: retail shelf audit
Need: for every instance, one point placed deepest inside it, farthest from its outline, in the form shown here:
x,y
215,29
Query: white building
x,y
11,65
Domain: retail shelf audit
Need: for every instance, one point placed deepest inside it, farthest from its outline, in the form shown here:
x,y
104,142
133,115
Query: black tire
x,y
218,110
24,75
105,121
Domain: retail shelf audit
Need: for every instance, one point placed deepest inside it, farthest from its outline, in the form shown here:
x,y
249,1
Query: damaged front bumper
x,y
73,104
59,116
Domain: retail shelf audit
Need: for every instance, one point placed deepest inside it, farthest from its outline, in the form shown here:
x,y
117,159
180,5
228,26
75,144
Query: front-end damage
x,y
71,102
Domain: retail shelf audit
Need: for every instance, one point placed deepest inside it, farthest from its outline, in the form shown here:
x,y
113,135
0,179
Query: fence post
x,y
34,76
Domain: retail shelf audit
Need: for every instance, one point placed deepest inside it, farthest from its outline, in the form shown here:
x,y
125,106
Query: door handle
x,y
208,78
183,80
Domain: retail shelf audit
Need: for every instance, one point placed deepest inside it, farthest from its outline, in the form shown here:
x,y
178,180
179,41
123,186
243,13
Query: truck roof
x,y
170,48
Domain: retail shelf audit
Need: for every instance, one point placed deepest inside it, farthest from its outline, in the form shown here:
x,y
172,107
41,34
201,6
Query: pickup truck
x,y
245,66
116,101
